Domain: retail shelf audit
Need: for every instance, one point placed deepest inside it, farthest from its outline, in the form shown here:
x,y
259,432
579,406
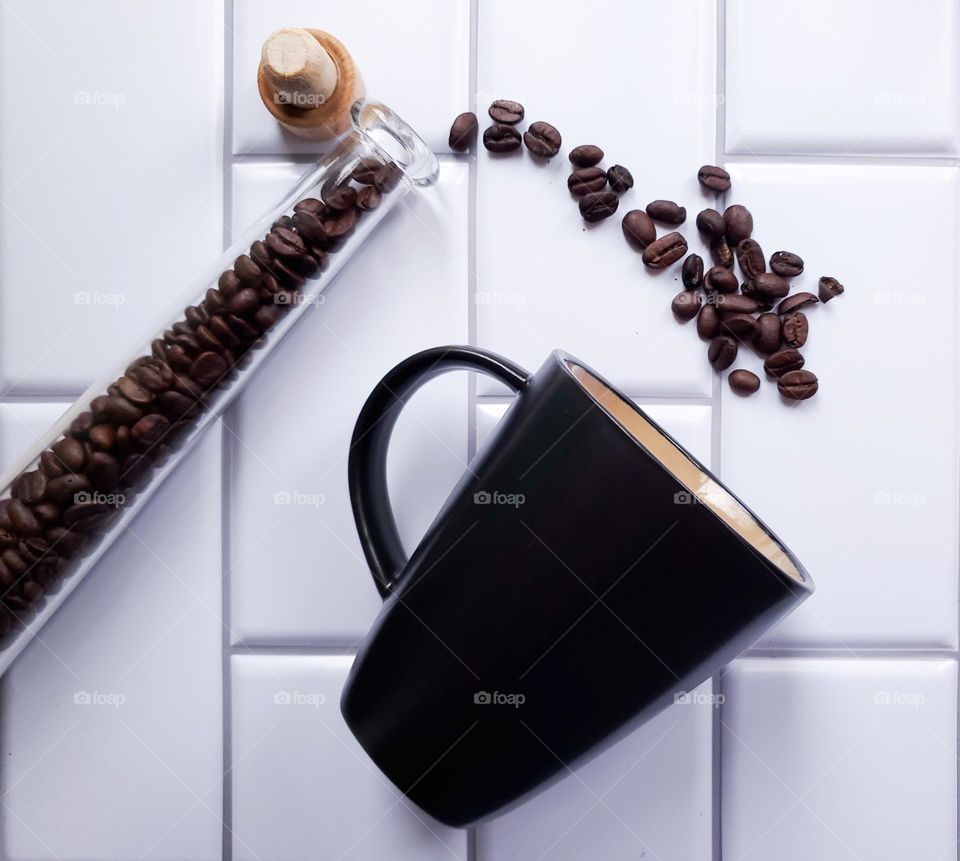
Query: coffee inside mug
x,y
703,488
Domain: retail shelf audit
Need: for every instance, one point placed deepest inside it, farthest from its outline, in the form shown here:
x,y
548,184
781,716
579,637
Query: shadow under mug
x,y
585,571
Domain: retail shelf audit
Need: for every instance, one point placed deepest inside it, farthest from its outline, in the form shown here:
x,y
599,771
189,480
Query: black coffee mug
x,y
584,571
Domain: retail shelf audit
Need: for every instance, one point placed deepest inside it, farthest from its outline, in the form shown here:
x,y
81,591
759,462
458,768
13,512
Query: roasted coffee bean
x,y
50,464
738,222
666,211
21,518
620,178
463,132
62,490
29,486
81,424
708,322
103,470
768,338
124,444
267,315
212,301
285,244
787,264
241,328
208,369
798,385
639,229
151,429
85,516
743,382
134,392
195,315
223,333
741,326
692,272
365,173
228,284
750,257
115,410
598,205
665,251
783,361
711,224
208,340
713,177
506,112
310,227
16,565
335,225
102,437
244,303
368,198
770,286
829,288
796,302
721,253
342,197
500,138
686,304
586,180
47,513
388,177
283,221
585,155
247,271
70,453
722,352
795,329
311,204
719,279
731,303
542,139
64,541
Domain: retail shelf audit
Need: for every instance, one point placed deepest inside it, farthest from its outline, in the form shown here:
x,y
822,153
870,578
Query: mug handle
x,y
367,467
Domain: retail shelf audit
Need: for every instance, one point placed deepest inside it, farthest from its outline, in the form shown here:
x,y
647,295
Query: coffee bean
x,y
368,198
620,178
713,177
229,283
29,487
334,225
731,303
739,223
499,138
506,112
70,453
782,362
741,326
46,513
639,229
586,180
463,132
692,272
310,227
721,253
598,205
244,303
795,329
664,251
208,369
708,322
151,429
365,173
280,243
720,280
247,271
103,470
686,304
770,286
796,302
787,264
722,352
542,139
711,224
798,385
134,392
750,257
61,490
102,437
829,288
768,338
586,155
114,410
743,382
666,211
176,406
266,316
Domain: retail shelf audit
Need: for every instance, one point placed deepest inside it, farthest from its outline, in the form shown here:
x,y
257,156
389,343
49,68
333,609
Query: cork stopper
x,y
308,81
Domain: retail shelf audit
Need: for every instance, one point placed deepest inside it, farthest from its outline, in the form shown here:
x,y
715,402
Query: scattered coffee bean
x,y
711,224
708,322
713,177
586,155
692,272
750,257
686,304
739,223
722,253
463,132
782,362
770,286
787,264
639,229
598,205
731,303
798,385
743,382
829,288
719,279
796,302
795,329
722,352
542,139
742,326
506,112
666,211
586,180
665,251
768,338
501,138
620,178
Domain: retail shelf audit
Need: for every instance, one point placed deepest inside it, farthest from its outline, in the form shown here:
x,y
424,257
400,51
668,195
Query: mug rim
x,y
802,580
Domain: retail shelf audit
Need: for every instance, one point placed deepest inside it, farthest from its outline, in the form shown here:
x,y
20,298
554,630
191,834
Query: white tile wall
x,y
799,755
